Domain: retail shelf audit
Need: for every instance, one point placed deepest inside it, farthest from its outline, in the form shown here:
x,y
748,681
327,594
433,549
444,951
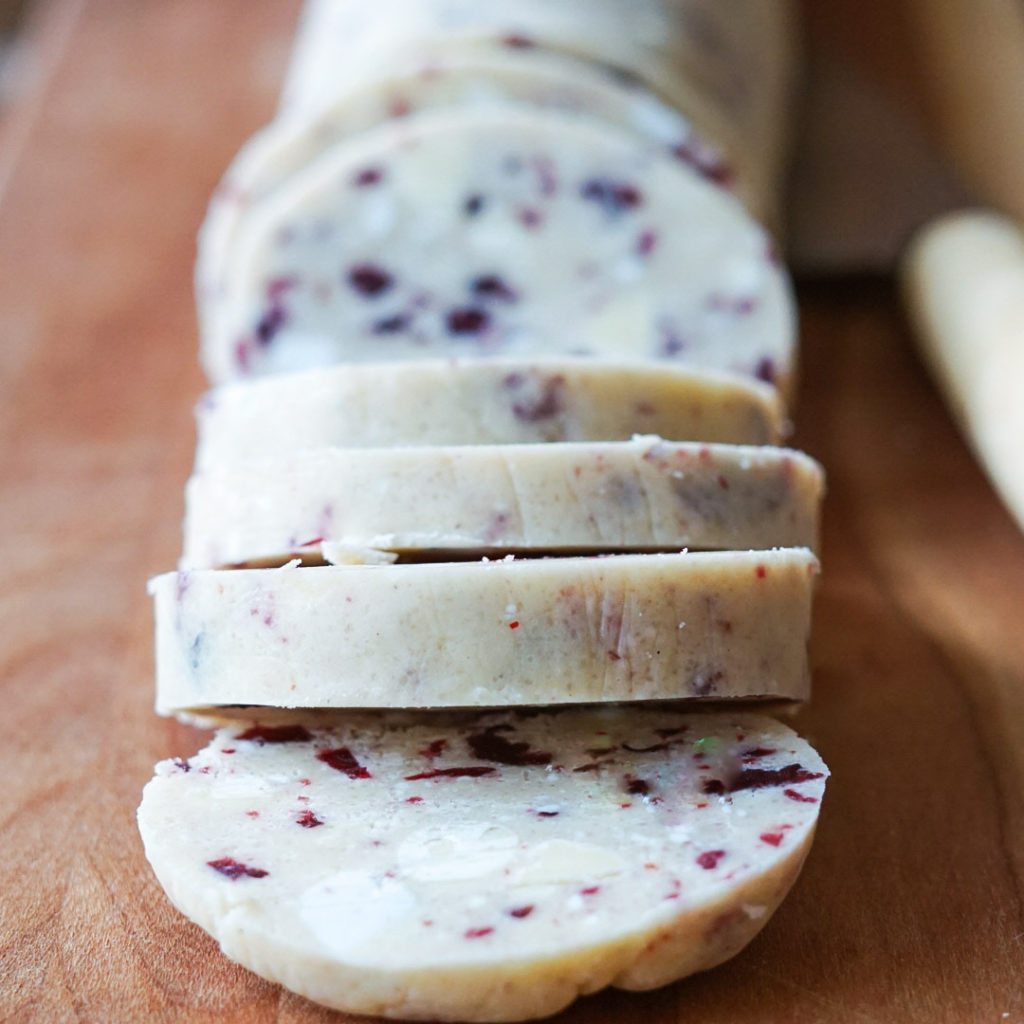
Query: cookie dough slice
x,y
511,234
484,868
738,58
380,405
641,495
531,631
483,79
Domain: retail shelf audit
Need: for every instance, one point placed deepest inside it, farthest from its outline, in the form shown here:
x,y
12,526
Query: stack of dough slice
x,y
490,537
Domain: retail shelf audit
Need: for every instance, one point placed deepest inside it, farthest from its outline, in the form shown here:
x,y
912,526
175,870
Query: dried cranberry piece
x,y
269,324
370,280
342,759
368,176
473,771
491,286
391,324
468,320
489,745
521,912
307,819
710,858
231,868
613,196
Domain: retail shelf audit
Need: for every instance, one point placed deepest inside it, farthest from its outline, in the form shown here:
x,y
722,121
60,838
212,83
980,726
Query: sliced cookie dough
x,y
479,402
488,867
533,631
480,79
737,58
596,498
503,234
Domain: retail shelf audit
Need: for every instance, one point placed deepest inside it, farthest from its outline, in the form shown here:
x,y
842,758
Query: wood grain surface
x,y
911,907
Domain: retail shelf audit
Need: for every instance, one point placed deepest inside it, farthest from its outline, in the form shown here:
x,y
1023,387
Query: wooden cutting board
x,y
911,907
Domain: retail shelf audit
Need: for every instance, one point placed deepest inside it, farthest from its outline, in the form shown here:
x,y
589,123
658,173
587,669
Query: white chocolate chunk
x,y
481,79
963,280
534,631
484,867
473,402
502,234
641,495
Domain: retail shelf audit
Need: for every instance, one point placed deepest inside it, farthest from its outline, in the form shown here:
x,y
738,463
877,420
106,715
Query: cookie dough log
x,y
485,79
451,402
503,234
730,66
484,868
963,283
641,495
535,631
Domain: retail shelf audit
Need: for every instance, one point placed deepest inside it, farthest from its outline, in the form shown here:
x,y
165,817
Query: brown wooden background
x,y
910,908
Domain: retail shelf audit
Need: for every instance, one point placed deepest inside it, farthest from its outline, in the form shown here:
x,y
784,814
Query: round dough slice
x,y
641,495
484,868
481,79
380,405
502,234
737,58
532,631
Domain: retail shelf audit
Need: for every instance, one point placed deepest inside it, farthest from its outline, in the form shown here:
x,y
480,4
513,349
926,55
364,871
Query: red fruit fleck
x,y
646,242
181,764
414,799
794,795
529,217
253,814
231,868
478,933
470,772
307,819
514,624
759,752
269,324
228,750
590,890
491,286
772,838
521,912
636,787
275,734
758,778
706,162
613,196
341,759
369,280
468,320
615,656
549,403
760,572
435,748
765,370
391,324
710,858
368,176
490,745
